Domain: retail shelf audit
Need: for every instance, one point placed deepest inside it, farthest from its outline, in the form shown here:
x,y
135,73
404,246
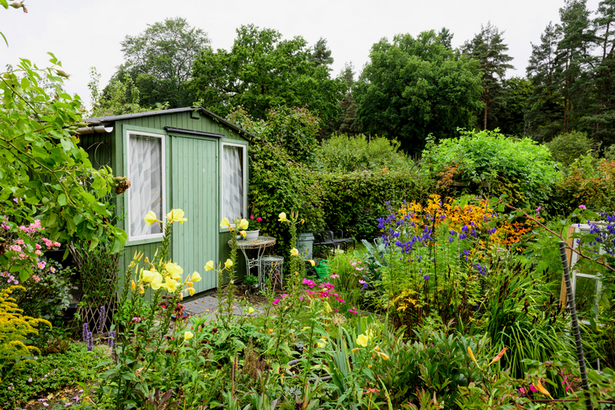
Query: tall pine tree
x,y
489,49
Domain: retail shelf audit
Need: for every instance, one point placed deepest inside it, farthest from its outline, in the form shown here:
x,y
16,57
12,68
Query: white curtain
x,y
145,175
233,184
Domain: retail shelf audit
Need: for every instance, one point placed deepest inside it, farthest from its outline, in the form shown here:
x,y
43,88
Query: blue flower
x,y
426,277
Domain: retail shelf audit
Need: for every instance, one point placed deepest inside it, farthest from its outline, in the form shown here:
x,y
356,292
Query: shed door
x,y
194,188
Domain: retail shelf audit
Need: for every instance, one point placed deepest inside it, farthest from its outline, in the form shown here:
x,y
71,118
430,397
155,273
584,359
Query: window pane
x,y
232,182
145,175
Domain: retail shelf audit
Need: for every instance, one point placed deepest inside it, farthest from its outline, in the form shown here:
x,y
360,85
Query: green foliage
x,y
566,148
119,97
42,163
278,184
488,48
345,153
509,115
159,62
484,156
262,71
416,86
48,292
48,374
15,328
590,182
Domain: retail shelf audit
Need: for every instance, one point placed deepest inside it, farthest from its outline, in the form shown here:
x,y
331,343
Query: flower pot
x,y
305,244
251,235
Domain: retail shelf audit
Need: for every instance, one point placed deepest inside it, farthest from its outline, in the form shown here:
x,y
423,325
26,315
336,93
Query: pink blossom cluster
x,y
50,244
359,262
9,278
32,228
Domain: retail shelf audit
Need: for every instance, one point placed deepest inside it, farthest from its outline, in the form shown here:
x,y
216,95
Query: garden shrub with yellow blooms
x,y
14,330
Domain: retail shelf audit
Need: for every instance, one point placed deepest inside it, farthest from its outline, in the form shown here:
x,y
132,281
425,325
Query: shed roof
x,y
113,118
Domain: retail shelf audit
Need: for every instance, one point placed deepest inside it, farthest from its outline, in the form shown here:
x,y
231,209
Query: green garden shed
x,y
186,158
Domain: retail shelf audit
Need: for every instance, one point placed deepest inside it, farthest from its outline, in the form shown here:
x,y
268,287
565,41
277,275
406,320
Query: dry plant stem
x,y
561,238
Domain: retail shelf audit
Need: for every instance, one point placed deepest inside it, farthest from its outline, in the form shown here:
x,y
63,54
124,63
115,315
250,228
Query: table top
x,y
260,242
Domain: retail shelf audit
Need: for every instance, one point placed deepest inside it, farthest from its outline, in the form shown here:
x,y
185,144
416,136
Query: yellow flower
x,y
174,270
362,340
228,264
327,307
209,265
243,234
321,343
176,215
170,285
188,335
191,291
196,277
148,275
294,252
384,356
225,223
141,289
282,217
156,281
150,218
133,285
243,224
250,310
312,262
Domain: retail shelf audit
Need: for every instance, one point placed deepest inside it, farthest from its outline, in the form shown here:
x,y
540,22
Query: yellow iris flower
x,y
150,218
176,215
209,265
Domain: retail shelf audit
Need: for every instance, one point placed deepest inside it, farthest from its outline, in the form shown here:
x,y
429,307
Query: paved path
x,y
207,305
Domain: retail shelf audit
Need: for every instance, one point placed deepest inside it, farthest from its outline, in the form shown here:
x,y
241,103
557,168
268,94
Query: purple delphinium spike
x,y
90,341
102,319
85,332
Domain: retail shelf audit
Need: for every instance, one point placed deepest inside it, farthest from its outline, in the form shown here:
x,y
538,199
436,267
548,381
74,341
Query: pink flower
x,y
259,219
42,264
533,389
362,282
582,207
251,216
275,302
522,390
335,276
37,252
538,209
353,310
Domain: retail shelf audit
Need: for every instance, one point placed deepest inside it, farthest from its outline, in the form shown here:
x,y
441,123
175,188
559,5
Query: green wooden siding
x,y
200,239
194,188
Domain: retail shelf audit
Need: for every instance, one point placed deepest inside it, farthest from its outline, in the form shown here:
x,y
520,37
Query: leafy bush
x,y
346,153
566,148
590,182
51,373
490,157
354,201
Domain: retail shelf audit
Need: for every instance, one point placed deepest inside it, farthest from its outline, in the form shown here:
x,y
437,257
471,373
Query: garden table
x,y
259,245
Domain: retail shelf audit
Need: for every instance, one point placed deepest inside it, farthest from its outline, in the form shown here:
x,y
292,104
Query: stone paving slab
x,y
208,306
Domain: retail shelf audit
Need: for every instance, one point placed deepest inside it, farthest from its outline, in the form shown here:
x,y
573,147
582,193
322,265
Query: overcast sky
x,y
87,33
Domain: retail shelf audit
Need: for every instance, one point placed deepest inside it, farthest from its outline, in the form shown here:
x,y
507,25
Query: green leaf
x,y
93,243
62,200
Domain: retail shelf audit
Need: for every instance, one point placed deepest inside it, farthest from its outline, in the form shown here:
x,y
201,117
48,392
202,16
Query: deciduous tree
x,y
415,86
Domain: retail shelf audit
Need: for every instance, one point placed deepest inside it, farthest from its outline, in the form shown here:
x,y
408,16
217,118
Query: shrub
x,y
346,153
15,328
490,157
590,182
566,148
